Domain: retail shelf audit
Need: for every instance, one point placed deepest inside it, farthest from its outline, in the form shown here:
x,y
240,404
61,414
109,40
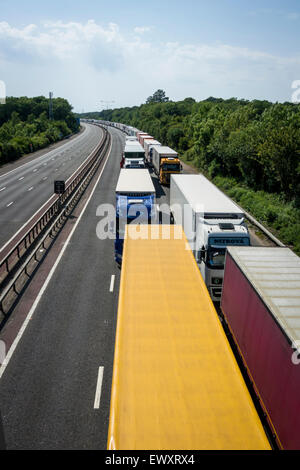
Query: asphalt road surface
x,y
26,188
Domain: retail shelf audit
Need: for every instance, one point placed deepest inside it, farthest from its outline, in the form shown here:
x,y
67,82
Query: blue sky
x,y
122,51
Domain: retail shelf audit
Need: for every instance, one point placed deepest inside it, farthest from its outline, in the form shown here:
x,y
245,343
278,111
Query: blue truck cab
x,y
135,203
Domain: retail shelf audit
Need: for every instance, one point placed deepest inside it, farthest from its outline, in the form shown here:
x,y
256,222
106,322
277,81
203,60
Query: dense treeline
x,y
256,142
250,145
25,126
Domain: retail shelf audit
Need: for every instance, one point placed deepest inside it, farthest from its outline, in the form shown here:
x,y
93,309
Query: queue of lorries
x,y
176,382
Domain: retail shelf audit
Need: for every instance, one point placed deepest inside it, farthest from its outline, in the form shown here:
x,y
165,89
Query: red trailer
x,y
261,305
144,138
141,135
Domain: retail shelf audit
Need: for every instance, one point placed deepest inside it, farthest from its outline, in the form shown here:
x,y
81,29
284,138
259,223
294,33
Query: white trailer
x,y
133,182
211,221
148,146
143,138
130,130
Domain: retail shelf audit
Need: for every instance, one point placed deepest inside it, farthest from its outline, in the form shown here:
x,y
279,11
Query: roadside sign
x,y
59,187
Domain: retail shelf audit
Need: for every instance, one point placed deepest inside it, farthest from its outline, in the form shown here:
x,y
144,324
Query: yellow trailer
x,y
176,383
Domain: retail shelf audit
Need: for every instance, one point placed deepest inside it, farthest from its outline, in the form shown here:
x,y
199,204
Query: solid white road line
x,y
98,388
44,286
112,282
21,228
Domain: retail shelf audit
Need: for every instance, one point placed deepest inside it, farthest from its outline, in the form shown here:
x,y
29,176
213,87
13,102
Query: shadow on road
x,y
2,439
158,188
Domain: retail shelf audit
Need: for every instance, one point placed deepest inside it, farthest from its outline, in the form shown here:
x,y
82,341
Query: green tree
x,y
25,126
257,142
158,97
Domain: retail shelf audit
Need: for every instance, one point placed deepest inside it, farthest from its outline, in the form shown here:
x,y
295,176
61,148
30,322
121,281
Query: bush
x,y
271,210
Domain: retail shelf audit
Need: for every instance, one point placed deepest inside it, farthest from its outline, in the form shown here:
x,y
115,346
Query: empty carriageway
x,y
26,187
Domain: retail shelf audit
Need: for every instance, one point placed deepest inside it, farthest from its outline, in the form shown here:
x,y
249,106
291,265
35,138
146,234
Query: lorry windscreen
x,y
216,257
134,164
216,249
134,154
171,167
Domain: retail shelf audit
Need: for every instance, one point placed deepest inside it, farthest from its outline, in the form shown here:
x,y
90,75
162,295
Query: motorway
x,y
55,390
24,189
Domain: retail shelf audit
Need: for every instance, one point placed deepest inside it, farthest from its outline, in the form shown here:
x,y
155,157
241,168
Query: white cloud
x,y
142,29
60,40
88,62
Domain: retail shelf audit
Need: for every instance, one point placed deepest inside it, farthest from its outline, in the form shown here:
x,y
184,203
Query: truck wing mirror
x,y
202,254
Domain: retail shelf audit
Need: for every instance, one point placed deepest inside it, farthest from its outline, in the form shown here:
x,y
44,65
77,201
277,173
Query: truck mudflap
x,y
165,178
118,250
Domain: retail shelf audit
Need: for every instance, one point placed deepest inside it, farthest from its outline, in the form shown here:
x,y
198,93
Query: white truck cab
x,y
211,241
211,222
134,163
